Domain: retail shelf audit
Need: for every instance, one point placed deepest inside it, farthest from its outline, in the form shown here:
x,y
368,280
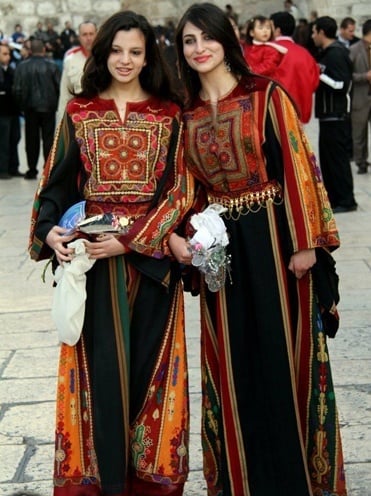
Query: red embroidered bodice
x,y
123,160
226,155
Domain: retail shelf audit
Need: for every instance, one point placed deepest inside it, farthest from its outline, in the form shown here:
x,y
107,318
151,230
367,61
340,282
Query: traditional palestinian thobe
x,y
270,423
122,403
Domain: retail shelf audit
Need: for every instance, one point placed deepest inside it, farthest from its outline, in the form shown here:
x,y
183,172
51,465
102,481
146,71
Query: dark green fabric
x,y
149,316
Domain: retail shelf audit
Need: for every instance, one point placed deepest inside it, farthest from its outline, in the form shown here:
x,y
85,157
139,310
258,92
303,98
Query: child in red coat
x,y
261,53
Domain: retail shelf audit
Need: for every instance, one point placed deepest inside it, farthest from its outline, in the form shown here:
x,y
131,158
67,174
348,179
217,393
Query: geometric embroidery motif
x,y
211,152
121,156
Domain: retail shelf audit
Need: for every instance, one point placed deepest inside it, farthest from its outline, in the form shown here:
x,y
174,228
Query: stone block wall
x,y
29,12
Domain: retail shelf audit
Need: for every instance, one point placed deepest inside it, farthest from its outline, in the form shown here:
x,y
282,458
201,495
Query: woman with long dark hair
x,y
122,403
269,420
154,77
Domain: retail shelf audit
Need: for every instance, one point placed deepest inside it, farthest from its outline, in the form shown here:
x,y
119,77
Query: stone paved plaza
x,y
29,350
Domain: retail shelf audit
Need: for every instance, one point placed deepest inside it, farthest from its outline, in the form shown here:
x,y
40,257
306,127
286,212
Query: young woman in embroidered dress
x,y
262,55
122,405
269,421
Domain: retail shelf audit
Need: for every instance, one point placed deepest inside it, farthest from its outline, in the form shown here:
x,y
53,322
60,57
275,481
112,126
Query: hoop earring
x,y
227,64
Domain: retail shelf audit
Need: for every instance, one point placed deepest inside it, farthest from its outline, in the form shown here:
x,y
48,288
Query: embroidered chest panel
x,y
122,159
225,154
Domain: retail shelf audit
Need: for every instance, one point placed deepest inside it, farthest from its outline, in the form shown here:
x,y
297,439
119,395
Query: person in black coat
x,y
332,108
36,89
9,118
67,36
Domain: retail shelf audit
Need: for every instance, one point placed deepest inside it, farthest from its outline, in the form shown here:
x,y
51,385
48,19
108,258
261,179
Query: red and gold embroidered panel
x,y
215,151
121,158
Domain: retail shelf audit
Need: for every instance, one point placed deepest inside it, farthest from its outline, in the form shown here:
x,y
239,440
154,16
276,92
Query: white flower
x,y
209,246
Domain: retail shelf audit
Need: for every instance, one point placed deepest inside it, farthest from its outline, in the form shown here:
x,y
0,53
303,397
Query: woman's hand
x,y
302,261
57,240
105,246
180,249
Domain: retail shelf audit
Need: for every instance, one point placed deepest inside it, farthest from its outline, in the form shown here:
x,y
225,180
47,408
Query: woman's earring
x,y
227,64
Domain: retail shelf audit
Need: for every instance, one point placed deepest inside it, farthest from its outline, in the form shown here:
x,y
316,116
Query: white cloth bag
x,y
68,307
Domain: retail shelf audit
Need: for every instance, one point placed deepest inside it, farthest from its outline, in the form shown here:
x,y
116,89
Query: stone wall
x,y
29,12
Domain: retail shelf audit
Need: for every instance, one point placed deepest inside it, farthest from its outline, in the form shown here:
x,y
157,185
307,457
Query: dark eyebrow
x,y
191,34
131,48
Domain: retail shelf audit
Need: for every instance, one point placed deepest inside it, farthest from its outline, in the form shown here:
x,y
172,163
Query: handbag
x,y
326,287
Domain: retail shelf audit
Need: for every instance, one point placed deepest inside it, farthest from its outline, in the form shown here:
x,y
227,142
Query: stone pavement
x,y
29,351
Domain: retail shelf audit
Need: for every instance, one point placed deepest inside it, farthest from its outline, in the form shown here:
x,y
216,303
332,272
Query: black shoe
x,y
30,175
362,169
5,175
17,174
340,209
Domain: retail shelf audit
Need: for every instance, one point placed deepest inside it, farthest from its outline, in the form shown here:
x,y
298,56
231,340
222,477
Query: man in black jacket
x,y
36,88
332,108
10,132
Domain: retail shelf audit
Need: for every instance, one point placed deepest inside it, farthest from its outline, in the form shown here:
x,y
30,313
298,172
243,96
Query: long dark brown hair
x,y
154,77
213,21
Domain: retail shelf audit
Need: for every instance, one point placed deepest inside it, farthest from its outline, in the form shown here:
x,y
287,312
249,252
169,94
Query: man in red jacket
x,y
298,72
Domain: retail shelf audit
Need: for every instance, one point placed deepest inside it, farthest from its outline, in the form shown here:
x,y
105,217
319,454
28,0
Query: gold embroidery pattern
x,y
121,158
249,201
211,151
320,455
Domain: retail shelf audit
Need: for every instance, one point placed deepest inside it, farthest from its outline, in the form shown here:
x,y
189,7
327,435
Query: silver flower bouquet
x,y
208,246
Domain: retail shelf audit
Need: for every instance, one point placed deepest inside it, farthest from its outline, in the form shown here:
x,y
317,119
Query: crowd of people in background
x,y
283,46
56,44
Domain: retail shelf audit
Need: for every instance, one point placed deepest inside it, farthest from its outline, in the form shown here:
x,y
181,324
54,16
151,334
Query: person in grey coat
x,y
360,55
